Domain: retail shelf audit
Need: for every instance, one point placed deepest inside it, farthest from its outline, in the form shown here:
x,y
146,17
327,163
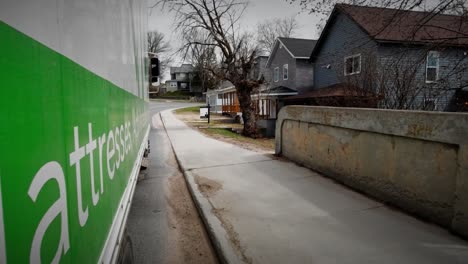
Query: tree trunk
x,y
244,91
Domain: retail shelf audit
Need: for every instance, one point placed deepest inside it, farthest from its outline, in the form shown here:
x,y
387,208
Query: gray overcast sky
x,y
257,11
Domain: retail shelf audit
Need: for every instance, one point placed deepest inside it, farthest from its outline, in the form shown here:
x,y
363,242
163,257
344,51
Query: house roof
x,y
394,25
223,87
297,48
225,84
401,26
279,90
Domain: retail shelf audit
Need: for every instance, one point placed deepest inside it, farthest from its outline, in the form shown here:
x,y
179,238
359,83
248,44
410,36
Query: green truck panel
x,y
69,141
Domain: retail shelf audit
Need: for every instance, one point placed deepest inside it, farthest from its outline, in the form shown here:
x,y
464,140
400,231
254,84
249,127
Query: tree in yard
x,y
270,29
158,45
396,81
203,59
219,20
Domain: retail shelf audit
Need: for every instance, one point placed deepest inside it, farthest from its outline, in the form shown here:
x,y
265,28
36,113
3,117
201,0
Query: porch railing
x,y
231,108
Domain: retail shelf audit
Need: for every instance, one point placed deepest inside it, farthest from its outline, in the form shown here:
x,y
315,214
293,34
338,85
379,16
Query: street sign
x,y
204,112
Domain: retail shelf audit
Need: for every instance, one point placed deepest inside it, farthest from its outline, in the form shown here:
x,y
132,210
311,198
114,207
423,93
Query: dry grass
x,y
220,128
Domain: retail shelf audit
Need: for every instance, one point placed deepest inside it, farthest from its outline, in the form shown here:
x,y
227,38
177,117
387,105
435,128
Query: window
x,y
276,74
220,96
352,64
173,84
432,66
285,71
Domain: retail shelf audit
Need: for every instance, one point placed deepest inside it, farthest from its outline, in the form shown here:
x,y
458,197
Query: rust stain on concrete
x,y
419,130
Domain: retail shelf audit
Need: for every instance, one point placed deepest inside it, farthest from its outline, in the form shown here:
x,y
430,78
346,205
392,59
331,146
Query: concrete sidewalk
x,y
261,210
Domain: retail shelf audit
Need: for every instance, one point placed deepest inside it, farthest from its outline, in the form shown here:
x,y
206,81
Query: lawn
x,y
191,109
220,128
223,132
239,140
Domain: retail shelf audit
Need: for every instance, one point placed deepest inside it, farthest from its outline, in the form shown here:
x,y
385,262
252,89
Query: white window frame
x,y
360,65
437,67
286,67
276,74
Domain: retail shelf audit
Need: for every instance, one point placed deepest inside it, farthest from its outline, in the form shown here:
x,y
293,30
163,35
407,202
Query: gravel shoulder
x,y
188,241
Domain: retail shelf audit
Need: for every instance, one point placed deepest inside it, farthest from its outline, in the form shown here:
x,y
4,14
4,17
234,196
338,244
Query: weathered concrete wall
x,y
415,160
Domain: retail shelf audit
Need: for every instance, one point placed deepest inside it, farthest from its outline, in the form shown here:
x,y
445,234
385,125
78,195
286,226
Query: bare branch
x,y
269,30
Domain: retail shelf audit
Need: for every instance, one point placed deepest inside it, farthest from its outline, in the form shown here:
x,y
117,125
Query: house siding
x,y
304,76
449,59
344,38
281,57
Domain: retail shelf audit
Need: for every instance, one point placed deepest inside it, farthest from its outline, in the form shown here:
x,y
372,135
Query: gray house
x,y
182,79
287,71
368,56
289,65
259,70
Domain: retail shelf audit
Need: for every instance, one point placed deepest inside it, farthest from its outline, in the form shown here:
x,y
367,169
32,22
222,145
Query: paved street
x,y
264,210
161,200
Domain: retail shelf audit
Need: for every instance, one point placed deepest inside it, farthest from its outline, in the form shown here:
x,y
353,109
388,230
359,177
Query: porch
x,y
230,103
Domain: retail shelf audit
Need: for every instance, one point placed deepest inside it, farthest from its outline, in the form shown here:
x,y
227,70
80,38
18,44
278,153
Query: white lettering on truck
x,y
50,171
53,171
90,147
75,158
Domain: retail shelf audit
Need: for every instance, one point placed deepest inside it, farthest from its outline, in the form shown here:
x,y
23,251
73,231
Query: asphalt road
x,y
148,224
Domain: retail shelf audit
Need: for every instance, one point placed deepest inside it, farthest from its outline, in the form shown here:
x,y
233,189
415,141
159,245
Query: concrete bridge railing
x,y
415,160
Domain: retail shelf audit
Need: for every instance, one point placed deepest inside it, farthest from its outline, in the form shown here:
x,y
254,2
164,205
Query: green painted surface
x,y
44,97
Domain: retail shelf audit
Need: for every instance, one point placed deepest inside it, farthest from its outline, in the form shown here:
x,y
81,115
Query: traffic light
x,y
154,67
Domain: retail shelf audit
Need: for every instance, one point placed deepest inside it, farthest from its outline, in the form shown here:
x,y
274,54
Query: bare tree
x,y
219,19
204,60
395,81
269,30
157,44
402,85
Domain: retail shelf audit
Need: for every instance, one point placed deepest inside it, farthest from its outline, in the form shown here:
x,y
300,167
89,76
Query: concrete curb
x,y
217,234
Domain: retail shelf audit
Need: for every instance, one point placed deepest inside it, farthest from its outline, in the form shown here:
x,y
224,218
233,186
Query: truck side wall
x,y
74,119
